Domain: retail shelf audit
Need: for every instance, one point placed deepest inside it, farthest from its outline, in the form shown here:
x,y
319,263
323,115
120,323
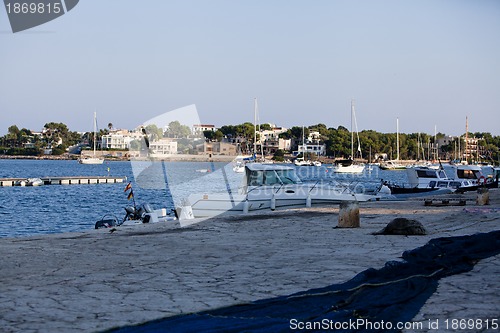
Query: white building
x,y
200,128
316,149
162,147
119,139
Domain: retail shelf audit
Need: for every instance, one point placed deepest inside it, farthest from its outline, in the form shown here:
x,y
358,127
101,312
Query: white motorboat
x,y
424,178
299,161
473,174
392,165
271,186
348,166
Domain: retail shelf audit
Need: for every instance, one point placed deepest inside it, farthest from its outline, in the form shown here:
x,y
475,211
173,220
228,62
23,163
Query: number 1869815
x,y
33,8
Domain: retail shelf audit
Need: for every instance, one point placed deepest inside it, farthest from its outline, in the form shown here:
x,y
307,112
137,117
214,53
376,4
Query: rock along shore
x,y
96,280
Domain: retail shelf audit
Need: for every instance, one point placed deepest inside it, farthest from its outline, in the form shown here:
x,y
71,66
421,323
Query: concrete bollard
x,y
349,215
483,197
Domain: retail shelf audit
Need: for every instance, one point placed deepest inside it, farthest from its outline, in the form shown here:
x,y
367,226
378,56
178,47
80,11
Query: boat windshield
x,y
288,176
272,177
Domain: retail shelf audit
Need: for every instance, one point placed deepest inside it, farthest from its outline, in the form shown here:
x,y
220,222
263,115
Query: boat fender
x,y
246,207
481,181
273,202
308,201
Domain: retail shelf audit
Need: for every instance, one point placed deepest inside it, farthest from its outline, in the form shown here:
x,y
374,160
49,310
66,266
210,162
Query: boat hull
x,y
91,160
353,168
284,197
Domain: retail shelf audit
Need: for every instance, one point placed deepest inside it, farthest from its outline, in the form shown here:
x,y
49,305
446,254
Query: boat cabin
x,y
269,175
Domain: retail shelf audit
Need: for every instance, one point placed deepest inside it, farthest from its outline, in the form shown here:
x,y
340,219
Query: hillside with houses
x,y
269,141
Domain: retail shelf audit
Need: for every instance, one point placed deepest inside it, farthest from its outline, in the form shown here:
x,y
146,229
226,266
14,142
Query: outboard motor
x,y
133,213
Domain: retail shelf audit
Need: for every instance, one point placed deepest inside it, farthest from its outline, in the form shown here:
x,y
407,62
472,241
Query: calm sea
x,y
47,209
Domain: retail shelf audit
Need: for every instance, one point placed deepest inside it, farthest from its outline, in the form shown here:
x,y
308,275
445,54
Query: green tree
x,y
177,130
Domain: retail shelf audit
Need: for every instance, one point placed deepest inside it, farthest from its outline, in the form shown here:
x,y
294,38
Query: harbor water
x,y
26,211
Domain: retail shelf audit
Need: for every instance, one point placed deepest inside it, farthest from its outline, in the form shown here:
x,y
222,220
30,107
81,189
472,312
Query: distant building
x,y
162,147
316,149
199,129
217,148
471,151
118,139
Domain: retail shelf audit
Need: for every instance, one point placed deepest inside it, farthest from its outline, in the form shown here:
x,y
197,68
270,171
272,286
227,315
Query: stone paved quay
x,y
96,280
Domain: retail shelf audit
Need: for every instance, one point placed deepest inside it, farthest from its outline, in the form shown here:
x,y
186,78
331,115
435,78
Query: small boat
x,y
300,161
347,166
271,186
392,165
92,159
28,182
316,163
34,182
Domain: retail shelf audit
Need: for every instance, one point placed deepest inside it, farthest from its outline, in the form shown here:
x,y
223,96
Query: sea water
x,y
26,211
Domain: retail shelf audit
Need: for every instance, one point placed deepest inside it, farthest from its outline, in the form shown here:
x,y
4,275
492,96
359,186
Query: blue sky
x,y
430,63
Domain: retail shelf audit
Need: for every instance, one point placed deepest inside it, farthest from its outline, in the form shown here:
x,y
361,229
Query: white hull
x,y
91,160
270,197
353,168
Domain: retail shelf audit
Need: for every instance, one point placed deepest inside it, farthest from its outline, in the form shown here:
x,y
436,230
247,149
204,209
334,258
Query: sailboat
x,y
348,166
93,159
394,165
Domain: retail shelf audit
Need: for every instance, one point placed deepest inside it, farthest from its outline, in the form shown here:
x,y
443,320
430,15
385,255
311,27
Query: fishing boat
x,y
349,166
92,159
271,186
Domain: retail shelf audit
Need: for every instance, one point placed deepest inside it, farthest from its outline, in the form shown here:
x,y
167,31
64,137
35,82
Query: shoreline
x,y
97,280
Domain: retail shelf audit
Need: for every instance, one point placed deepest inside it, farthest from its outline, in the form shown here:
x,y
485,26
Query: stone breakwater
x,y
97,280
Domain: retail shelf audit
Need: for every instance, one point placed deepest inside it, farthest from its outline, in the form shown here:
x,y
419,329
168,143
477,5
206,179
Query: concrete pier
x,y
96,280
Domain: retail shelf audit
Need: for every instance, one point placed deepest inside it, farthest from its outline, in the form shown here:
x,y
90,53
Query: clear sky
x,y
428,62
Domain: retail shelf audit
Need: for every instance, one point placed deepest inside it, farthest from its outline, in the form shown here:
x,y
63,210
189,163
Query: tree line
x,y
412,146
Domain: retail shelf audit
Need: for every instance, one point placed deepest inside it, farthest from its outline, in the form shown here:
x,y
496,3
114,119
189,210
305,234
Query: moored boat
x,y
271,186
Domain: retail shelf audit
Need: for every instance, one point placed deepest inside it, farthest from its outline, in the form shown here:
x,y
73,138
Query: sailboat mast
x,y
466,139
95,130
352,132
397,138
255,126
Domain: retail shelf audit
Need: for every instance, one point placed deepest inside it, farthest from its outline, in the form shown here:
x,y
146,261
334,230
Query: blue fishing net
x,y
394,293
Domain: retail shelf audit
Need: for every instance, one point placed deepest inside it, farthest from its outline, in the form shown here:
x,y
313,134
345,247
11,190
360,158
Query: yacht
x,y
271,186
425,179
474,174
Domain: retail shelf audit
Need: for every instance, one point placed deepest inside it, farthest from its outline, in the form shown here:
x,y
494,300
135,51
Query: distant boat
x,y
94,159
349,166
394,165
